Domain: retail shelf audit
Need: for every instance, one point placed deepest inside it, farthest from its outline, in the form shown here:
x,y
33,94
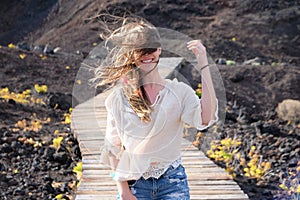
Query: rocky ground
x,y
231,30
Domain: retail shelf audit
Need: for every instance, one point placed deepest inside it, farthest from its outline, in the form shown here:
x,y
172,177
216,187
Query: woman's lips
x,y
147,60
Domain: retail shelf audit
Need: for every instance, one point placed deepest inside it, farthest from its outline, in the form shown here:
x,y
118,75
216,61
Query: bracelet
x,y
112,174
204,66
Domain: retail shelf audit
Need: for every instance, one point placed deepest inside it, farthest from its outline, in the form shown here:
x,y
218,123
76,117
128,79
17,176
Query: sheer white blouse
x,y
136,149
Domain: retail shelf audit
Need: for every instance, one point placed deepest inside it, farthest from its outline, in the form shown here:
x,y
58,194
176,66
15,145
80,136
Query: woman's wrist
x,y
122,186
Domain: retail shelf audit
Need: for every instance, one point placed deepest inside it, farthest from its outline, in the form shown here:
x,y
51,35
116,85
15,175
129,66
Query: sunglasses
x,y
145,51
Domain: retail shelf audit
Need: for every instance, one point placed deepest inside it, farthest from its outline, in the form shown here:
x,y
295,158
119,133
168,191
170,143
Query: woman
x,y
147,113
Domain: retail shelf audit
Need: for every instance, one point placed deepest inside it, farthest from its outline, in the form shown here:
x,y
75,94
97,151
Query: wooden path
x,y
206,180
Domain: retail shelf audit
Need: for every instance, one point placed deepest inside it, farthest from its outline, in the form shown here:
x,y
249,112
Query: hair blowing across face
x,y
127,42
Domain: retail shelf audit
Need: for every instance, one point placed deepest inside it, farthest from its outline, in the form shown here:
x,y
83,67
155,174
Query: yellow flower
x,y
242,161
41,89
223,142
259,171
282,186
298,189
67,119
59,196
267,166
43,57
78,170
57,141
22,55
78,184
209,152
78,82
11,46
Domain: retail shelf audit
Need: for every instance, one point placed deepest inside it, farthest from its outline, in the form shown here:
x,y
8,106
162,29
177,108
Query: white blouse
x,y
137,149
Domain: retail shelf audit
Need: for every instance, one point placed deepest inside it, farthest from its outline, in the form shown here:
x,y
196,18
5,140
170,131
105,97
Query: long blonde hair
x,y
129,42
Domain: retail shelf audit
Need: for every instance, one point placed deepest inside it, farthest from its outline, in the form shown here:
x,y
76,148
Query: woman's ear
x,y
159,50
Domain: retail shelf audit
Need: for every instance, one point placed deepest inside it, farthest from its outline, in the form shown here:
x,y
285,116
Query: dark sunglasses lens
x,y
147,50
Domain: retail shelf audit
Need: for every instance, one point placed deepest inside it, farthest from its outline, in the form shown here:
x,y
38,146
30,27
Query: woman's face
x,y
146,59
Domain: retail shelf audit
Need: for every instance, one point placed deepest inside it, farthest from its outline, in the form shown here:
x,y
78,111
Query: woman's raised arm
x,y
208,98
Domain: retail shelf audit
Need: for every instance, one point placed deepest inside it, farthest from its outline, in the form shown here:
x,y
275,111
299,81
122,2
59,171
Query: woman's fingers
x,y
195,43
199,51
197,47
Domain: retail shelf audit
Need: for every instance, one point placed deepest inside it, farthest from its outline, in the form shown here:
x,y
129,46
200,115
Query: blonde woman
x,y
147,113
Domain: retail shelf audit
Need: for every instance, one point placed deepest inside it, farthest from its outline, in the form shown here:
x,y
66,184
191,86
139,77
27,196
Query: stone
x,y
235,78
59,100
60,157
48,154
6,148
289,110
253,61
221,61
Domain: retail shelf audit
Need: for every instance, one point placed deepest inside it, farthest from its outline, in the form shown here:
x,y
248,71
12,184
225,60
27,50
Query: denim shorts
x,y
172,185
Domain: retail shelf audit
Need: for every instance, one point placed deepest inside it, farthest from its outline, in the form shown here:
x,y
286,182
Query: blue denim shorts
x,y
172,185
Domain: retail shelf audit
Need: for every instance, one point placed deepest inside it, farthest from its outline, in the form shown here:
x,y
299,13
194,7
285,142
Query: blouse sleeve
x,y
112,144
191,109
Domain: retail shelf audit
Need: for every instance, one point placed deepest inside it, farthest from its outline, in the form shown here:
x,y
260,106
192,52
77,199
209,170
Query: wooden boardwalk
x,y
206,180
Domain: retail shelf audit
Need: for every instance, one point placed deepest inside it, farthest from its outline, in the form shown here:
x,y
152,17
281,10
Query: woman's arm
x,y
208,98
124,191
113,149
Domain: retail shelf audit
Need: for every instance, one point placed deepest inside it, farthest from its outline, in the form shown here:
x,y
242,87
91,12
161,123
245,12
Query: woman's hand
x,y
124,191
127,196
199,50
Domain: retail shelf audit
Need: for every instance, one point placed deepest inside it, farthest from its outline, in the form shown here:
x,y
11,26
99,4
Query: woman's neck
x,y
153,80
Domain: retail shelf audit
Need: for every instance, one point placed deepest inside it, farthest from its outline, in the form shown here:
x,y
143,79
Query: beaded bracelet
x,y
204,66
112,174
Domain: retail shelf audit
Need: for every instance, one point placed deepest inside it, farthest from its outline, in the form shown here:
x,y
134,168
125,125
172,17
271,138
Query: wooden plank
x,y
217,183
91,197
208,191
220,197
189,171
201,188
193,197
